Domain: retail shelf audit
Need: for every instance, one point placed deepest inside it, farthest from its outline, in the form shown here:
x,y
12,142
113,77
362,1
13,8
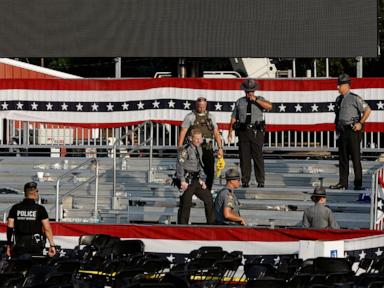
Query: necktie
x,y
198,156
248,119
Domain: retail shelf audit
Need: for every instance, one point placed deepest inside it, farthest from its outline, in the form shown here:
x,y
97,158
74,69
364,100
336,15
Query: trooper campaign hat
x,y
232,174
249,85
343,79
318,192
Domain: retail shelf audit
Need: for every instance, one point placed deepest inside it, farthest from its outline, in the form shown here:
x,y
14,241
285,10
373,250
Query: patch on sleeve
x,y
230,202
183,155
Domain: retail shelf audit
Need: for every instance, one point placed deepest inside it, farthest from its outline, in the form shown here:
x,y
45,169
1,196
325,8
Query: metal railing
x,y
4,212
25,137
114,153
377,186
70,172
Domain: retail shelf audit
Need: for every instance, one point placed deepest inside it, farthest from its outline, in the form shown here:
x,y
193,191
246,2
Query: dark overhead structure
x,y
188,28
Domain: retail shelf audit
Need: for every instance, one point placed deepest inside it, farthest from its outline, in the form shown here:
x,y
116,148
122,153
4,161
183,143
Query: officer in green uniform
x,y
205,121
190,174
226,204
319,216
351,114
247,121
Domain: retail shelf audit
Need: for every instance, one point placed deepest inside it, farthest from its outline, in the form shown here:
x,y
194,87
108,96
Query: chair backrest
x,y
103,241
155,265
124,248
306,266
86,239
378,265
210,248
365,264
259,270
326,265
376,284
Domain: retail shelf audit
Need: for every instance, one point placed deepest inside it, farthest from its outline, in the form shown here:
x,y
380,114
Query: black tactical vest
x,y
204,123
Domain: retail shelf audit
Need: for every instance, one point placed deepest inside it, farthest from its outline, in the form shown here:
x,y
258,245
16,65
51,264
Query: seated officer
x,y
226,203
319,216
190,174
27,225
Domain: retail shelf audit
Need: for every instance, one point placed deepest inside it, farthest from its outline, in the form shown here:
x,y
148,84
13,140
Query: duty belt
x,y
30,239
193,175
258,125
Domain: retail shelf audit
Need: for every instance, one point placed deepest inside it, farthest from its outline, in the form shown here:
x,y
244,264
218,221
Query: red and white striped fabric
x,y
183,239
379,200
301,105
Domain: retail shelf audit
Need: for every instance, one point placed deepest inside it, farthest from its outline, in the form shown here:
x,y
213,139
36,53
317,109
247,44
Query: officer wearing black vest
x,y
351,114
248,122
205,122
28,225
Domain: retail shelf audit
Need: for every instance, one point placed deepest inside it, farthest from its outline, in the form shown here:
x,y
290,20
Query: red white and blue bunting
x,y
301,105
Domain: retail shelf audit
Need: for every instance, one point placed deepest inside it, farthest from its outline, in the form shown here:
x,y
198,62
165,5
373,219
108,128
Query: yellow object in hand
x,y
220,164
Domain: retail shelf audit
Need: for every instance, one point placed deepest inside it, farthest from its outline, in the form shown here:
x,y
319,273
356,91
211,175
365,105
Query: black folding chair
x,y
378,266
300,280
365,264
10,278
67,266
127,248
36,274
365,279
266,283
57,278
325,265
259,270
376,284
229,266
178,281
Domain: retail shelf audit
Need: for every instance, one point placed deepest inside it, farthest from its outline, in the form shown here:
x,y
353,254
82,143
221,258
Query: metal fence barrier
x,y
377,200
19,137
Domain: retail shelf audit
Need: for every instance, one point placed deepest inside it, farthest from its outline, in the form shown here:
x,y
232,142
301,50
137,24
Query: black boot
x,y
338,186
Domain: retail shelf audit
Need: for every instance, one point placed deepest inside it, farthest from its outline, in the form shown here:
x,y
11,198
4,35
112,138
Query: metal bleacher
x,y
289,184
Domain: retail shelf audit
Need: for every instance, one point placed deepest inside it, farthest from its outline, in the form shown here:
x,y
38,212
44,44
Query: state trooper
x,y
205,121
226,204
351,114
248,122
319,216
191,177
28,226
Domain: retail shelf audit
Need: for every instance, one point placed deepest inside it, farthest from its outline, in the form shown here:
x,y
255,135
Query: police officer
x,y
247,121
351,114
226,204
319,216
190,173
205,121
28,225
